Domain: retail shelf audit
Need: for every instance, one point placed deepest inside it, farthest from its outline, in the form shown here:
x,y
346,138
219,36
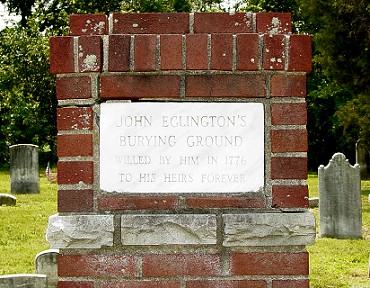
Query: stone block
x,y
46,263
7,199
80,231
23,281
168,229
24,169
269,229
313,202
340,199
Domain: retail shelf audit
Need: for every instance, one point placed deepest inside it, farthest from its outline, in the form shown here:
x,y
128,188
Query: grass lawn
x,y
341,263
333,262
22,233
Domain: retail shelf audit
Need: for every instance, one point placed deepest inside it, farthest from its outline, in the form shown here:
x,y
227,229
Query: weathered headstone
x,y
340,199
23,281
7,199
24,169
46,262
313,202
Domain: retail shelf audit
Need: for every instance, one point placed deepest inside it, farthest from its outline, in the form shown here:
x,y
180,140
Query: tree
x,y
20,7
27,92
341,58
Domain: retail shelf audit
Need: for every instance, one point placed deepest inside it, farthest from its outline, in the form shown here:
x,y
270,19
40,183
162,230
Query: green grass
x,y
333,262
22,232
341,263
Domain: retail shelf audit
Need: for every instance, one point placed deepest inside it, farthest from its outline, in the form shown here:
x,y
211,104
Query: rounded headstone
x,y
7,199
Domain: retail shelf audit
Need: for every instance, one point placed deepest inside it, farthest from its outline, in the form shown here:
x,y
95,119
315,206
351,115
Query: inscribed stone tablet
x,y
181,147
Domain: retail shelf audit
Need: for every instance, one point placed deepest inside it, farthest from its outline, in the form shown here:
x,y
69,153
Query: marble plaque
x,y
181,147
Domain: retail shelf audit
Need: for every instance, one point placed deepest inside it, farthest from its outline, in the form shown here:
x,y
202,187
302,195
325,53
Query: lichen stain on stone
x,y
90,63
248,18
85,119
97,28
275,27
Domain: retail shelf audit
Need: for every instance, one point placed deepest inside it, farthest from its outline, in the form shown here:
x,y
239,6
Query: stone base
x,y
23,280
232,230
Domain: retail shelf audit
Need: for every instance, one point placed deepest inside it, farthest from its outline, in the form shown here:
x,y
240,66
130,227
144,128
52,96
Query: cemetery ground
x,y
333,262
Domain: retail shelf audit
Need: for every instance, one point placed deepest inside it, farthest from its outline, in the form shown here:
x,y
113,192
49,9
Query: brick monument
x,y
182,148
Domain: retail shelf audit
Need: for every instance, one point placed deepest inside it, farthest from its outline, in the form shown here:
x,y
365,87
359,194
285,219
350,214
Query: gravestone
x,y
7,199
46,263
24,169
313,202
340,199
23,281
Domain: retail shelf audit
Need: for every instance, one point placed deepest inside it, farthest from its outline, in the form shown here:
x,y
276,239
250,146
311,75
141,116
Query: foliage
x,y
339,88
20,7
27,97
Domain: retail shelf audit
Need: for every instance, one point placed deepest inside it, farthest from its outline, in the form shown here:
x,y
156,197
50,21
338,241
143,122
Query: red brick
x,y
197,51
274,52
171,52
61,55
226,284
225,202
221,52
225,85
73,172
300,53
168,265
288,85
142,284
74,145
223,23
90,53
106,265
299,283
289,141
73,88
75,284
75,200
138,203
289,114
119,53
74,119
274,23
288,263
140,86
290,196
145,47
247,47
150,23
88,24
289,168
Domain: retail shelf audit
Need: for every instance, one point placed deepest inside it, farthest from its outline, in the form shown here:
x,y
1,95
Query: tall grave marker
x,y
24,169
340,199
182,150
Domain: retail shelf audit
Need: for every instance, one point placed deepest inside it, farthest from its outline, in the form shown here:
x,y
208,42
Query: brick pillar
x,y
245,239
